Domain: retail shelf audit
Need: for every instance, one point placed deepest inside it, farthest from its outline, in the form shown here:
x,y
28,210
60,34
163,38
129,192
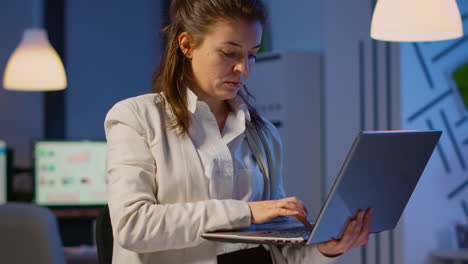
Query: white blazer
x,y
159,196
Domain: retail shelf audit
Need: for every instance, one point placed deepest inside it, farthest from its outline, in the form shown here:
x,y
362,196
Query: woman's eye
x,y
229,54
252,57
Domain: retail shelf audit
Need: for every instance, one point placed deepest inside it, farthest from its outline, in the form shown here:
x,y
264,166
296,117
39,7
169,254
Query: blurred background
x,y
320,79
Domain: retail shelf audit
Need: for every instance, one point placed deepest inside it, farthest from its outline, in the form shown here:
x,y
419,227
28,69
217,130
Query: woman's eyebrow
x,y
239,45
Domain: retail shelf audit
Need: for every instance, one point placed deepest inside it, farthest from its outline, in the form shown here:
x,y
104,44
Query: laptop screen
x,y
70,173
3,172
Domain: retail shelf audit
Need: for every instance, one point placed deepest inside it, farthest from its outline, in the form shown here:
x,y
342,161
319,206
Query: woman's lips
x,y
238,85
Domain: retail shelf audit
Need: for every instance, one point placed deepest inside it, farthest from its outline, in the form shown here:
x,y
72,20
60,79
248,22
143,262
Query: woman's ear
x,y
186,44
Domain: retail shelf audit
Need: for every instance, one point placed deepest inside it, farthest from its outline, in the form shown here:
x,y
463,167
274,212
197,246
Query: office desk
x,y
455,256
81,255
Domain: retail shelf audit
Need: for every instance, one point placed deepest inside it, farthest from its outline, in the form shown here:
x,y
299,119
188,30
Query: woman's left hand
x,y
356,234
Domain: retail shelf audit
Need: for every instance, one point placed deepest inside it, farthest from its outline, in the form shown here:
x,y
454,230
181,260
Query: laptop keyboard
x,y
301,231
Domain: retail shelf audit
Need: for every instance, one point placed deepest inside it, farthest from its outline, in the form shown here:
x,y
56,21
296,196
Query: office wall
x,y
296,25
112,48
430,102
20,112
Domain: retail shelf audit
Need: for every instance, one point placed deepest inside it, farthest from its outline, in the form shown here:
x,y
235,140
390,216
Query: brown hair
x,y
196,17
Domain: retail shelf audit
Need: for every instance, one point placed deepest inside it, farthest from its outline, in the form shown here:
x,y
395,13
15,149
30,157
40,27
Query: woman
x,y
193,156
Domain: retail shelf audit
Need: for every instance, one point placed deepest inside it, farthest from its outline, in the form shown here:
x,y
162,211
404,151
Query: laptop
x,y
380,172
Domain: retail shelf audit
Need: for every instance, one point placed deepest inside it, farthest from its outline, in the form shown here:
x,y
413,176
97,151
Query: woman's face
x,y
222,62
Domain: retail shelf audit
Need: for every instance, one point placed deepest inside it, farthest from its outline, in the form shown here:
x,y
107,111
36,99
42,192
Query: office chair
x,y
104,236
29,234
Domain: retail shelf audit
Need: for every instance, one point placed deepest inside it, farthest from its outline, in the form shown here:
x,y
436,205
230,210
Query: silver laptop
x,y
380,172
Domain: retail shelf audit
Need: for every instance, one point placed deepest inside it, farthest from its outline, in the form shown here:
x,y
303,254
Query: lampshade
x,y
35,65
416,20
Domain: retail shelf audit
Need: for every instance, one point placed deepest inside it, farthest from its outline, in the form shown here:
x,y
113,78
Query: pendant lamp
x,y
35,65
416,20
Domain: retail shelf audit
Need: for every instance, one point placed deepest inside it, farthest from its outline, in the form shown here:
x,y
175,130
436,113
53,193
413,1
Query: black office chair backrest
x,y
104,236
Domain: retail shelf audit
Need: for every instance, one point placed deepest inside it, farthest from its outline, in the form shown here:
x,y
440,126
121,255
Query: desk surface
x,y
76,212
453,254
81,255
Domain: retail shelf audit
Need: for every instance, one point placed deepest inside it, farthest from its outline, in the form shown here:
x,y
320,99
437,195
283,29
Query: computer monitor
x,y
3,172
70,173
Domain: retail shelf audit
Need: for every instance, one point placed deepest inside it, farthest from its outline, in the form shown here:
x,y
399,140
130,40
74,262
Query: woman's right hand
x,y
263,211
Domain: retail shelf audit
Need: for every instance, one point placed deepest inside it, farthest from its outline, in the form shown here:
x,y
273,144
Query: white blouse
x,y
226,157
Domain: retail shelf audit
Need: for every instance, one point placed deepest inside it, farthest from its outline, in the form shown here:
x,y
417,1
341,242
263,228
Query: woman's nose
x,y
242,67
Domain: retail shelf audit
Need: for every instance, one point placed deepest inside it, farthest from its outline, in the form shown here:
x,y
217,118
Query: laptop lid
x,y
380,172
